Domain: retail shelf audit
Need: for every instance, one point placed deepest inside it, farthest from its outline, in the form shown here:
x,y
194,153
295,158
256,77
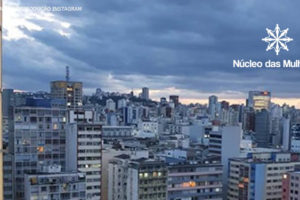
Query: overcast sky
x,y
183,47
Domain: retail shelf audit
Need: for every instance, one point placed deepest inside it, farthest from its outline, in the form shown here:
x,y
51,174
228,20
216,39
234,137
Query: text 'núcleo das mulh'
x,y
267,64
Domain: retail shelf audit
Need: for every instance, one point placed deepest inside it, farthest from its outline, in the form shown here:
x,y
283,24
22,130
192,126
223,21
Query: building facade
x,y
59,186
259,176
83,154
69,91
291,186
259,100
39,140
174,99
137,179
194,181
262,128
114,132
145,93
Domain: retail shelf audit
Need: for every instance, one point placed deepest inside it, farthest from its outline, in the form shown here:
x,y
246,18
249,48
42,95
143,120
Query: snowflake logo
x,y
277,39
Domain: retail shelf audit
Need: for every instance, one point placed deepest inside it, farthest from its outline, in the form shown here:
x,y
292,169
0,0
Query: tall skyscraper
x,y
39,141
145,93
83,154
259,100
8,102
262,128
174,99
71,92
285,133
248,119
213,106
11,99
224,143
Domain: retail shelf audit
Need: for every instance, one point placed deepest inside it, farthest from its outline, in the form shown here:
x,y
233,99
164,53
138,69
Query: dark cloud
x,y
191,42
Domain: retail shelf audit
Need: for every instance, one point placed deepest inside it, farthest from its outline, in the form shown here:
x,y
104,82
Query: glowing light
x,y
146,175
189,184
40,149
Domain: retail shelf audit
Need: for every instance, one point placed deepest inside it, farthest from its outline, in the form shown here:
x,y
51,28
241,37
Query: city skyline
x,y
204,100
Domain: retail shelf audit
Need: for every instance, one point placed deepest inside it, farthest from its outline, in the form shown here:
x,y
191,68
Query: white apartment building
x,y
259,176
83,154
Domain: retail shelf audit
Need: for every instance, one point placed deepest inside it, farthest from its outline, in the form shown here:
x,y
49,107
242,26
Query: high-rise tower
x,y
70,91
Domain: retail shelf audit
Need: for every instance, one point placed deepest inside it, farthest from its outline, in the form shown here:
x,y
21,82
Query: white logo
x,y
277,39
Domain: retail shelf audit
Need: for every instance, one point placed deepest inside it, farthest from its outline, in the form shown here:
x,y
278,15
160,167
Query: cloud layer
x,y
183,47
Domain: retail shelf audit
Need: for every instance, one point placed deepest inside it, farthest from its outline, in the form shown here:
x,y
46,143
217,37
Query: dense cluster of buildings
x,y
112,146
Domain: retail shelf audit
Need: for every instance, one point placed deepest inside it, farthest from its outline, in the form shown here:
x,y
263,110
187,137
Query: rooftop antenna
x,y
67,74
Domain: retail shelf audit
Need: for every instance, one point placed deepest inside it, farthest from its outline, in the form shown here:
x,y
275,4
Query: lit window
x,y
55,126
40,149
33,180
189,184
246,180
192,184
19,118
185,184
